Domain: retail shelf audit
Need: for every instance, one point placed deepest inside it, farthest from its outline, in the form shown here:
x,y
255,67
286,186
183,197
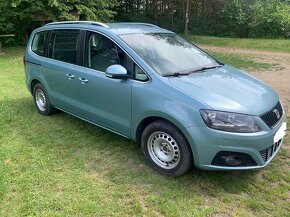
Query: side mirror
x,y
117,72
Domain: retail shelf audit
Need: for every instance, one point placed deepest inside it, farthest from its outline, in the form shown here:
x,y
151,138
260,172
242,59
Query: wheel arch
x,y
33,83
37,78
143,124
149,119
146,120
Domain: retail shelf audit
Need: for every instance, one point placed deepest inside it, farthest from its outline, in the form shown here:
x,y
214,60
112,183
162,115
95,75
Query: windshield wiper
x,y
204,68
200,69
176,74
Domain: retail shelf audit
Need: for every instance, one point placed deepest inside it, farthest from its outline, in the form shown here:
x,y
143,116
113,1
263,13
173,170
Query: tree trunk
x,y
126,6
147,7
186,20
155,8
171,12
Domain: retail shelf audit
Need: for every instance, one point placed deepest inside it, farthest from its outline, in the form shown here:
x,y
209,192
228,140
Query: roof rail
x,y
78,22
143,24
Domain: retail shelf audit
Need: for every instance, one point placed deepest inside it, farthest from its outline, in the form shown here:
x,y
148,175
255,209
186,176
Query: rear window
x,y
38,43
63,45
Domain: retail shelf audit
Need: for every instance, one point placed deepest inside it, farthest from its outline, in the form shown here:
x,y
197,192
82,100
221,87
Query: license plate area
x,y
280,133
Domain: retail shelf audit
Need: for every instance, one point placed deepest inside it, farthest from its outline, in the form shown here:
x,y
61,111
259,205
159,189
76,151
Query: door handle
x,y
70,76
83,80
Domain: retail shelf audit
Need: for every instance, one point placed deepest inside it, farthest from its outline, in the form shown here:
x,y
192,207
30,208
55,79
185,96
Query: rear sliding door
x,y
60,69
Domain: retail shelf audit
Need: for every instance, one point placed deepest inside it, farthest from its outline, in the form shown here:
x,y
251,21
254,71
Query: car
x,y
148,84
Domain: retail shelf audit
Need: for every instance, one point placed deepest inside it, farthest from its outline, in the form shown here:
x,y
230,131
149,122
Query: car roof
x,y
113,28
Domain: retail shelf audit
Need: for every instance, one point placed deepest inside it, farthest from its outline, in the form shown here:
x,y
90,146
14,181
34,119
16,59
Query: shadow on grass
x,y
73,143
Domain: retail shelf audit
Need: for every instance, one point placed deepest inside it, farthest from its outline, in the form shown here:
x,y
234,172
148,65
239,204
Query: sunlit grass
x,y
275,45
242,61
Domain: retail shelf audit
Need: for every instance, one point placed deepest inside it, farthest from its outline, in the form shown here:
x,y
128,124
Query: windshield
x,y
168,54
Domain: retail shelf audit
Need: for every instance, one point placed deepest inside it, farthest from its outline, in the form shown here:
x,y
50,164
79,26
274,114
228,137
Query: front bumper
x,y
206,143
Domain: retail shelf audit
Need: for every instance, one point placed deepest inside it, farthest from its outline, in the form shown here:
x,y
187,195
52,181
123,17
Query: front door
x,y
104,101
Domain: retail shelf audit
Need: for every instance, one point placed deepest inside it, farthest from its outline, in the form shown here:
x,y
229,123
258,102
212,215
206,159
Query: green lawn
x,y
242,61
275,45
62,166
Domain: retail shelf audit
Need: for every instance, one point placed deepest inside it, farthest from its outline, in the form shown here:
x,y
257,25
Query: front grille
x,y
272,117
270,151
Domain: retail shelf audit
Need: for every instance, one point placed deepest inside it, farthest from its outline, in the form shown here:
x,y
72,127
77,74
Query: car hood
x,y
228,89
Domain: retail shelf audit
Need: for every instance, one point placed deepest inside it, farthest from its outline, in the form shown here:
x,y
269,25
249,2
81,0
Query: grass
x,y
240,61
62,166
275,45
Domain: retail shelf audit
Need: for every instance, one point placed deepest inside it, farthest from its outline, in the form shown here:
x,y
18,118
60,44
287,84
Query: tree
x,y
234,18
21,16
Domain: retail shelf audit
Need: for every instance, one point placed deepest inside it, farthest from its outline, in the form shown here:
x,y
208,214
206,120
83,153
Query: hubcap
x,y
40,100
163,150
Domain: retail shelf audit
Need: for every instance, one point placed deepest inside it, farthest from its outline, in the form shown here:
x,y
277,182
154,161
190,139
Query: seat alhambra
x,y
148,84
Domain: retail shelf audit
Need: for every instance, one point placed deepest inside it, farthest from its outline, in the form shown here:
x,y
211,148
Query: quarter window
x,y
63,45
139,74
38,44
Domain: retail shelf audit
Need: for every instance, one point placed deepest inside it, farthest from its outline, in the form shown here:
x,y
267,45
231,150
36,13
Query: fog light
x,y
233,159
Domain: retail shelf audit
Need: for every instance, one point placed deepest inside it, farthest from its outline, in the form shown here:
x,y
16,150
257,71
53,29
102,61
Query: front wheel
x,y
166,149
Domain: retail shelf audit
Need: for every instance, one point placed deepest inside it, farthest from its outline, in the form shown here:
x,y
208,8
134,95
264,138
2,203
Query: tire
x,y
166,149
41,101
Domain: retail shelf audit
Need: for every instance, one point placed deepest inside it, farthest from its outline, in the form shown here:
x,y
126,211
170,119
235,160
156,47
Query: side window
x,y
63,45
101,53
38,43
139,74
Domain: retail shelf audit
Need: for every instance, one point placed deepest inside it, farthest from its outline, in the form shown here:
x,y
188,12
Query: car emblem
x,y
276,113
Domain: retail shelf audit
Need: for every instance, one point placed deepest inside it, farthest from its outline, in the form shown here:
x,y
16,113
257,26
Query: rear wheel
x,y
166,149
41,101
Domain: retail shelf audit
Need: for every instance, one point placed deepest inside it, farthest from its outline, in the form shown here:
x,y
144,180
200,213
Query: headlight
x,y
230,122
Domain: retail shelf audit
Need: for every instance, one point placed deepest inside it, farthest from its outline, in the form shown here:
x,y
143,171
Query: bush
x,y
271,19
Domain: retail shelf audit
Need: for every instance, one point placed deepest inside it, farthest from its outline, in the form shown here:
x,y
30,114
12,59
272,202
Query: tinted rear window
x,y
38,43
63,45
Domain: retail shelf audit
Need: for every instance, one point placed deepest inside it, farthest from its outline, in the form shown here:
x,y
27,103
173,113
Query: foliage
x,y
271,18
231,18
234,18
251,18
20,16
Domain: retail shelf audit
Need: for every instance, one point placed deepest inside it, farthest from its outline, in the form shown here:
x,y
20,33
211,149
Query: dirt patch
x,y
278,78
208,198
